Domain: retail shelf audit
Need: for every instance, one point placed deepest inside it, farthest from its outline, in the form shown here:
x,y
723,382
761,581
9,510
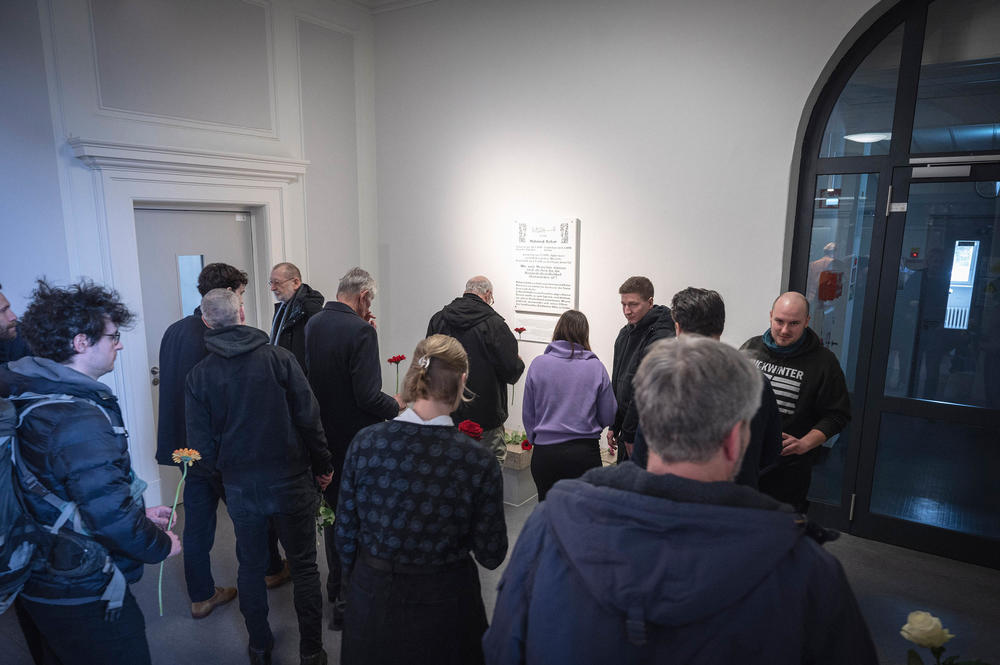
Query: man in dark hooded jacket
x,y
493,359
811,392
297,302
253,417
646,324
676,564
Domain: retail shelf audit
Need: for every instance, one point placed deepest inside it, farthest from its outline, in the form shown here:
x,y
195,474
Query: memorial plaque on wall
x,y
545,262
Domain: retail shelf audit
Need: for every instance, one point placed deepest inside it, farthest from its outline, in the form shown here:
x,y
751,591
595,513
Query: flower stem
x,y
170,520
397,378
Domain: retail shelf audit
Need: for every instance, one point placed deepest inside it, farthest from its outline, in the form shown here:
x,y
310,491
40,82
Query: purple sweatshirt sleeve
x,y
607,405
528,417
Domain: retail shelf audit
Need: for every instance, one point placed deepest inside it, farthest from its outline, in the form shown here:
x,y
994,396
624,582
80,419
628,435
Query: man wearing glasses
x,y
297,302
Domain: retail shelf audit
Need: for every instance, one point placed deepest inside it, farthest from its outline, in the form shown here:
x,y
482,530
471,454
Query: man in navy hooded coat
x,y
675,563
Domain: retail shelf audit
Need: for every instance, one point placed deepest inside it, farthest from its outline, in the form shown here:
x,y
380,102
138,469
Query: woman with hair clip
x,y
416,496
568,400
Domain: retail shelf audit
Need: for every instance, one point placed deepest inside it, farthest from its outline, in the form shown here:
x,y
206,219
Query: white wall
x,y
667,127
32,239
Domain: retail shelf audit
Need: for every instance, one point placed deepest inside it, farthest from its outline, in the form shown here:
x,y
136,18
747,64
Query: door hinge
x,y
850,518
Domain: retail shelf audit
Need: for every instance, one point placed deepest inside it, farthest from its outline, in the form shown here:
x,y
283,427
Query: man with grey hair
x,y
493,358
252,416
346,375
297,303
675,563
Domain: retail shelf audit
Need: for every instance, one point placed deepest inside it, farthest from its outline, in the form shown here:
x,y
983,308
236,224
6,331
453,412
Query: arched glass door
x,y
894,247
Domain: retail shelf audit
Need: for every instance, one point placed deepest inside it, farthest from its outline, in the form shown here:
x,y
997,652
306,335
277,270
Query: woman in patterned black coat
x,y
416,497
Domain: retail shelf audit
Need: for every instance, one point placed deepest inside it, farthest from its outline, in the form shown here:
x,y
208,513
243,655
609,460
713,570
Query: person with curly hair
x,y
76,605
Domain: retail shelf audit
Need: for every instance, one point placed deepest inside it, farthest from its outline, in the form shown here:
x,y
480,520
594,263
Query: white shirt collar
x,y
410,416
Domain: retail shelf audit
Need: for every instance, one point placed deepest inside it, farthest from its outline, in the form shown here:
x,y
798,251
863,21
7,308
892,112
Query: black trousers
x,y
789,481
78,634
556,461
290,505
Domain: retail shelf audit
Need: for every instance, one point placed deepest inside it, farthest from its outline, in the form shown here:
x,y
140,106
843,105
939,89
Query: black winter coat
x,y
346,375
75,453
630,347
290,327
182,347
493,358
250,412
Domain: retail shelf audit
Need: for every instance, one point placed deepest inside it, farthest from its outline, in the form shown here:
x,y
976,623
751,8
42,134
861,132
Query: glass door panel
x,y
840,248
945,343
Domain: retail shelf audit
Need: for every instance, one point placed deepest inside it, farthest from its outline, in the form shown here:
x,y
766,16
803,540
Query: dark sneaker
x,y
318,658
259,656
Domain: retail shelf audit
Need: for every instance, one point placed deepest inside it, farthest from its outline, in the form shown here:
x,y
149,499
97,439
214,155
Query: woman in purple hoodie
x,y
568,401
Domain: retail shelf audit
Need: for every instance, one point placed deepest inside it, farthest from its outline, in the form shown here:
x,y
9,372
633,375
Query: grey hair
x,y
355,281
479,285
690,391
289,270
220,307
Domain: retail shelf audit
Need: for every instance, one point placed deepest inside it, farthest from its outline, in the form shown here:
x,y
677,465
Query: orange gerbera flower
x,y
186,455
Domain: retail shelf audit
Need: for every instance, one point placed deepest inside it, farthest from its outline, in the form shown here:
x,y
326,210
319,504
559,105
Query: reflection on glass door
x,y
937,451
840,246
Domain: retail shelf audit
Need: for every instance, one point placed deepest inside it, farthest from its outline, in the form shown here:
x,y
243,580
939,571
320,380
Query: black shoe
x,y
337,621
259,656
318,658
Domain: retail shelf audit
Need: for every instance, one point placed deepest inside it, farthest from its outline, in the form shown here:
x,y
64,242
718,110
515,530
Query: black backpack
x,y
24,542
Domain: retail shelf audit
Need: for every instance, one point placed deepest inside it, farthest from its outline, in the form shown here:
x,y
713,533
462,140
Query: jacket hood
x,y
563,349
44,376
466,312
669,562
809,343
657,318
232,341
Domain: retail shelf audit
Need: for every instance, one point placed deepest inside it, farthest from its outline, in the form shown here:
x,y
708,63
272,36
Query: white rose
x,y
924,629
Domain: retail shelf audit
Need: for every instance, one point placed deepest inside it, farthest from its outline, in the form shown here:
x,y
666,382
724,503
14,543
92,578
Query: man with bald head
x,y
493,358
811,392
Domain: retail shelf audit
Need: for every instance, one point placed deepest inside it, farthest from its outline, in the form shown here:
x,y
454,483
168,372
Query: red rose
x,y
525,445
395,360
471,428
519,330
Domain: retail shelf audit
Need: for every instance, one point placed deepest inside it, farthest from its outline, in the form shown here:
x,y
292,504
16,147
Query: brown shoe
x,y
222,596
279,578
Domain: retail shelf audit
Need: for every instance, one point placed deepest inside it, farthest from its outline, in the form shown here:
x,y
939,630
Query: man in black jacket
x,y
346,376
183,347
251,414
297,302
73,441
646,324
702,312
493,359
811,392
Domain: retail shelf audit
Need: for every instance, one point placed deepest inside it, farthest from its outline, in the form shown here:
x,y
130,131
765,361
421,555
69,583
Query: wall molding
x,y
135,157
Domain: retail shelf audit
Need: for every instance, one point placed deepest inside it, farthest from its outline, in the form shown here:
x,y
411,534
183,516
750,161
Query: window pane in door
x,y
188,268
938,473
843,217
945,343
861,120
958,99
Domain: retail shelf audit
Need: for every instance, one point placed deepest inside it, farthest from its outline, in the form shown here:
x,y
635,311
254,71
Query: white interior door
x,y
174,245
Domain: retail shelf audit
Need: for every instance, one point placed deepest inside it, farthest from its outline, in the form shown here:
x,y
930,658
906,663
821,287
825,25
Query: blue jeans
x,y
78,634
291,505
201,502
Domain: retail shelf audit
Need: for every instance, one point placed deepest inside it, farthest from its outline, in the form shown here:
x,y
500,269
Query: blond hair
x,y
436,370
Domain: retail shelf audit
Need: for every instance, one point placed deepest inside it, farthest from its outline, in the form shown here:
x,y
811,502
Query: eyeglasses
x,y
116,336
272,282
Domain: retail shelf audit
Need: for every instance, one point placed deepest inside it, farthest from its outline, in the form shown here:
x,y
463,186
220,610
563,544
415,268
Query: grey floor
x,y
888,581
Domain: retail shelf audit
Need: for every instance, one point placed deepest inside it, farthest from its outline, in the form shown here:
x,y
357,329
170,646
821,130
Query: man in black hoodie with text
x,y
646,324
493,359
253,417
811,392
